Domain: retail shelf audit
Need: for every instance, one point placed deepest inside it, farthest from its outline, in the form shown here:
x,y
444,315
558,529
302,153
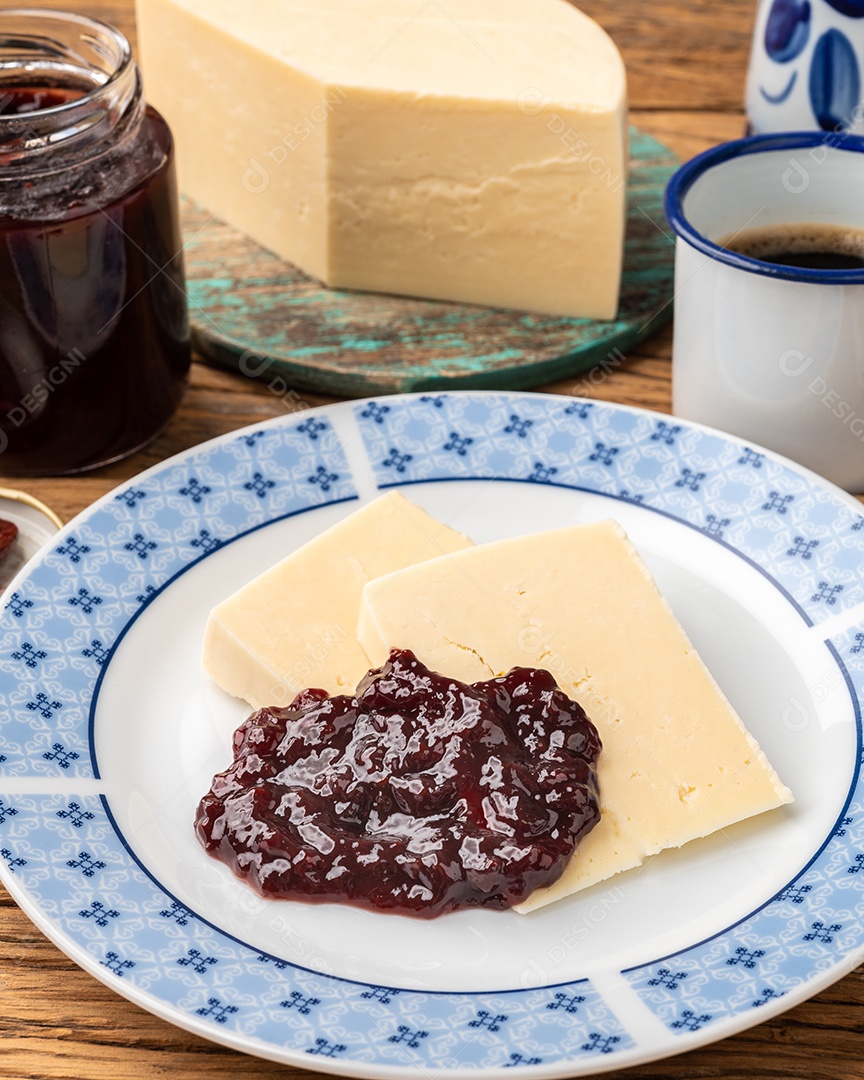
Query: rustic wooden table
x,y
687,62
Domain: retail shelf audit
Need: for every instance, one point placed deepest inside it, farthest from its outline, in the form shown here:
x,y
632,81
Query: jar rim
x,y
124,59
74,51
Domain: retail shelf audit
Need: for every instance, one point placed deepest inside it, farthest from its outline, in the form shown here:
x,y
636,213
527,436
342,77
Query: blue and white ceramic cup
x,y
807,66
772,353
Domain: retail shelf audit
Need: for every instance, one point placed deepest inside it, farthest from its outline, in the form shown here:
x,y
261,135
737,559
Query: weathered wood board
x,y
244,299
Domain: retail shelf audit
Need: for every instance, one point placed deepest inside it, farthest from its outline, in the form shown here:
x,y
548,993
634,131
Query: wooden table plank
x,y
686,61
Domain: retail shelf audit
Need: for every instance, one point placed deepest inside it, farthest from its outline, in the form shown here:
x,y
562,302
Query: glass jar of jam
x,y
94,332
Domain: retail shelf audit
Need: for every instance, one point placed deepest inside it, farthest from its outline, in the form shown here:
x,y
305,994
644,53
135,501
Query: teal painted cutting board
x,y
244,300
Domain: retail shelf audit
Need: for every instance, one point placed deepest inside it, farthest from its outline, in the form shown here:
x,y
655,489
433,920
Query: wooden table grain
x,y
686,62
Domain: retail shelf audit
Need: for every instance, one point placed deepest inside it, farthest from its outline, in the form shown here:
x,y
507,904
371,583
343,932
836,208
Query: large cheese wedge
x,y
677,762
294,626
472,151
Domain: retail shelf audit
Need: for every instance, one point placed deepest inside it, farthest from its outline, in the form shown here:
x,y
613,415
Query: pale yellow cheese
x,y
677,762
473,151
294,626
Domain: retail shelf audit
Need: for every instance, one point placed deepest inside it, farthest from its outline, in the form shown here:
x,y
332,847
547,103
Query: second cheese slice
x,y
677,762
293,627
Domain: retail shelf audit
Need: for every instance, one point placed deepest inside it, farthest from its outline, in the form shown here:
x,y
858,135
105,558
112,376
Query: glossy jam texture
x,y
419,795
20,100
8,536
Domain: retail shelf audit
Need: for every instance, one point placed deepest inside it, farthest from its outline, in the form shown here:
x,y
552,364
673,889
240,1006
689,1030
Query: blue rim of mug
x,y
684,179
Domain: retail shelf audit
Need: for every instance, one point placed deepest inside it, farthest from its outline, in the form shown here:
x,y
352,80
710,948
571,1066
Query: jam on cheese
x,y
417,795
473,152
677,763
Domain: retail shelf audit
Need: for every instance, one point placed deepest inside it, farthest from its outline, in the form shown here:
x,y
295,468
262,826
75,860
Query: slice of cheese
x,y
677,762
474,151
294,626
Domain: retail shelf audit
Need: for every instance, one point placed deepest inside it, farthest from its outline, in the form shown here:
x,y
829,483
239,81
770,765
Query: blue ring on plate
x,y
684,179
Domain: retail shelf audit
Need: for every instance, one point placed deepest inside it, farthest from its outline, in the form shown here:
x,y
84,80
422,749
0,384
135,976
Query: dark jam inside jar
x,y
20,100
94,338
418,795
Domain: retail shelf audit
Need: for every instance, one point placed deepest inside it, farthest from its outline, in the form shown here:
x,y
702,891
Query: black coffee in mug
x,y
807,245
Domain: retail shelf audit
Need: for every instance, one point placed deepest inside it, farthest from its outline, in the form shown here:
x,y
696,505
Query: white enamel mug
x,y
774,354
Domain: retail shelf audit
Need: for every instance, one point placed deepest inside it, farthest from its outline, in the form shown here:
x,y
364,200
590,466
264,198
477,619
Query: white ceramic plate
x,y
111,734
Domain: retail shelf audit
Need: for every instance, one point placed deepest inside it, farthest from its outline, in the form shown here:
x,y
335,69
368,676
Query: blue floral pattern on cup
x,y
835,81
805,66
788,29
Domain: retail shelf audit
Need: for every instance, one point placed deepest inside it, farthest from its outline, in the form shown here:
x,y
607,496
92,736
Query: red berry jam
x,y
418,795
20,100
95,349
94,327
8,536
